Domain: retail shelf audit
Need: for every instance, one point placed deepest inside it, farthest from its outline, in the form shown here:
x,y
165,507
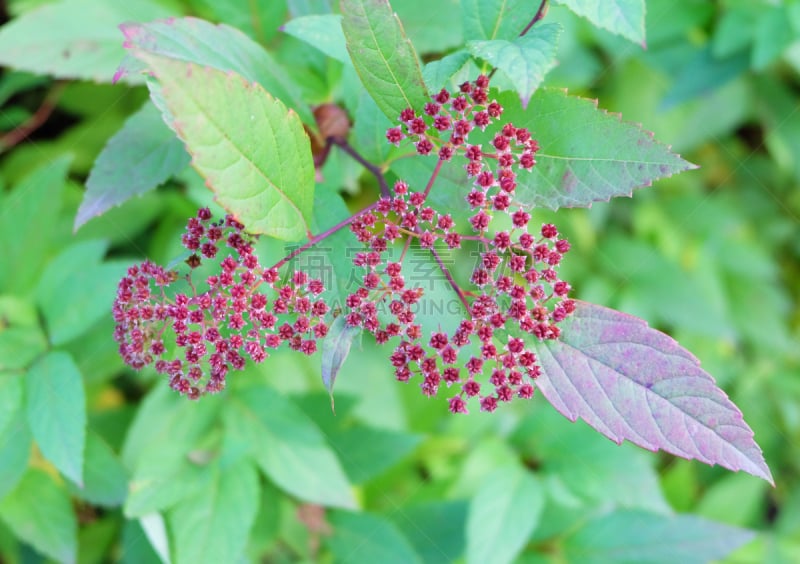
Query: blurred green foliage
x,y
711,256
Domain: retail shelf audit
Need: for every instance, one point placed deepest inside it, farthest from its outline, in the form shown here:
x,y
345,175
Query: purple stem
x,y
376,172
325,234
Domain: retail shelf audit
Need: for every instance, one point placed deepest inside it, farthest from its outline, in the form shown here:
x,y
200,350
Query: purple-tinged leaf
x,y
139,157
335,349
586,155
631,382
219,46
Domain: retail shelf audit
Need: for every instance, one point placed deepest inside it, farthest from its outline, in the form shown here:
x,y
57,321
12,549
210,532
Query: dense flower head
x,y
195,328
195,331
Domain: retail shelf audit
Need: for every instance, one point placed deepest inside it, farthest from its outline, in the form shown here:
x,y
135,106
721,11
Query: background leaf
x,y
15,438
503,514
362,538
587,155
29,213
525,60
323,31
39,512
383,56
252,151
73,38
77,289
56,409
139,157
288,447
632,382
636,536
213,524
105,479
623,17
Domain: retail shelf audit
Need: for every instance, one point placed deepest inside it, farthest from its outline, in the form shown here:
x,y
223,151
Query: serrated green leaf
x,y
496,19
364,538
587,155
335,349
40,513
437,74
383,56
213,525
56,408
15,437
252,151
637,536
29,214
139,157
525,60
76,290
105,479
222,47
503,514
288,447
622,17
73,38
323,31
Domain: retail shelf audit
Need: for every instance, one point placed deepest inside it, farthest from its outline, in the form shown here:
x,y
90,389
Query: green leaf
x,y
222,47
260,20
323,31
496,19
140,156
156,451
56,409
288,447
589,466
73,38
422,21
503,514
366,452
773,34
437,74
21,338
335,349
435,529
587,155
213,525
363,538
76,290
637,536
29,214
15,438
40,513
383,56
622,17
525,60
703,74
251,150
105,479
